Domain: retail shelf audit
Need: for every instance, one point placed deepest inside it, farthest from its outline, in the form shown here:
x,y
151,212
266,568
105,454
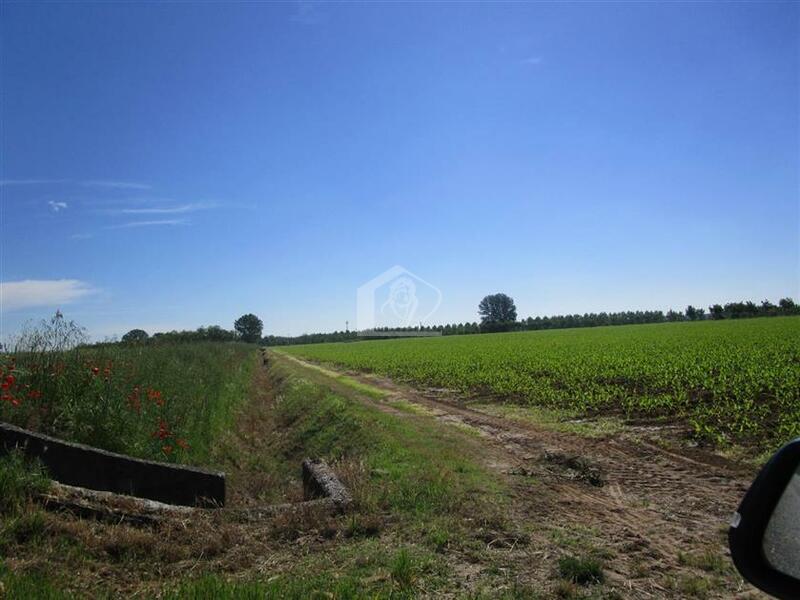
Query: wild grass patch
x,y
30,584
165,402
20,479
582,570
405,465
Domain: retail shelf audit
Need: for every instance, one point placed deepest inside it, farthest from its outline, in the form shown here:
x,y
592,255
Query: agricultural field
x,y
449,499
733,381
443,506
164,402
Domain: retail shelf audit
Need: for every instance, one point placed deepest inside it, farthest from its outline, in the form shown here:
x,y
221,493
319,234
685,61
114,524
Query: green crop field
x,y
733,380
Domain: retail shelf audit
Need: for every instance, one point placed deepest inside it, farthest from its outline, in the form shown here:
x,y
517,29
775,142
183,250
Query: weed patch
x,y
20,479
581,570
166,402
27,585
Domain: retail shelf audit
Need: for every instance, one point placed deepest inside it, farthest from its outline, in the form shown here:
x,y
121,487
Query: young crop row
x,y
159,402
732,380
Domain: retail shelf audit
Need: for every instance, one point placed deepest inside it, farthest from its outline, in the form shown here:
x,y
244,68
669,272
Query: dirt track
x,y
660,514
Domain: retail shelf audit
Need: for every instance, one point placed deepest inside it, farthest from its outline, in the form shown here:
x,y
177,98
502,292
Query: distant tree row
x,y
214,333
310,338
731,310
744,310
496,315
247,328
348,336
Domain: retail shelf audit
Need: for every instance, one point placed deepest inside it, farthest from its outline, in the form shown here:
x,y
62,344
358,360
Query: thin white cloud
x,y
114,203
41,292
158,223
121,185
10,182
56,206
166,210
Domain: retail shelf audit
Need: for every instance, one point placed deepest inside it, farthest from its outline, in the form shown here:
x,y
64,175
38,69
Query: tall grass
x,y
163,402
19,479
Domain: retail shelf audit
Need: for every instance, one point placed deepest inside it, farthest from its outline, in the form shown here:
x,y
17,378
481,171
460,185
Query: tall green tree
x,y
497,309
135,336
249,328
694,314
788,306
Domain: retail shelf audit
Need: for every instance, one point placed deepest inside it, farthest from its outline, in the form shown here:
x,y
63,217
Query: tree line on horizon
x,y
499,314
247,328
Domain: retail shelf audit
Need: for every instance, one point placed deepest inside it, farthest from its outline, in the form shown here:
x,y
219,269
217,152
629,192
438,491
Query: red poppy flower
x,y
135,403
162,432
156,397
166,449
95,370
183,443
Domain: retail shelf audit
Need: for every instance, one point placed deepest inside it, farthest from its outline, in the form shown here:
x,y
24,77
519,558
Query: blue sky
x,y
176,165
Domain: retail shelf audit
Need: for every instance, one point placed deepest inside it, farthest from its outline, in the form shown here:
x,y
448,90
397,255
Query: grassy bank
x,y
421,498
395,465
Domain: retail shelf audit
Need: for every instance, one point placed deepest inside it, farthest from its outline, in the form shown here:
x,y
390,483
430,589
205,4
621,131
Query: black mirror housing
x,y
749,524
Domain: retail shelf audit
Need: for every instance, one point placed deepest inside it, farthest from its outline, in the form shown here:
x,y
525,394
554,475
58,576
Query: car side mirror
x,y
764,537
